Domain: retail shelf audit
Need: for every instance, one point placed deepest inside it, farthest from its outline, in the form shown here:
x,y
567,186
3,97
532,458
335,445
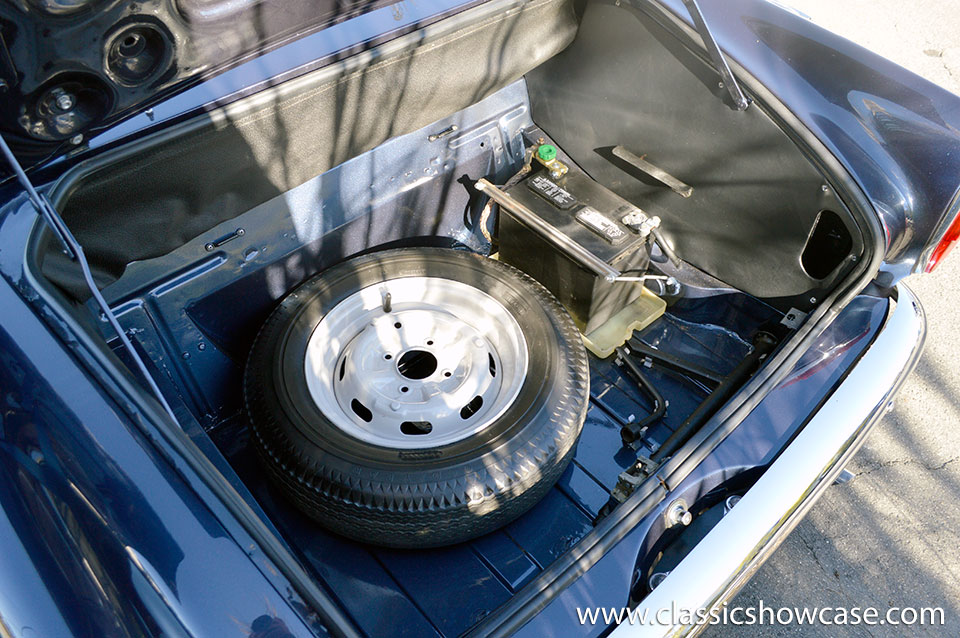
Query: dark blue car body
x,y
112,523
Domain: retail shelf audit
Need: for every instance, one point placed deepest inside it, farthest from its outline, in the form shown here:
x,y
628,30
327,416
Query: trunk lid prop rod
x,y
740,101
73,250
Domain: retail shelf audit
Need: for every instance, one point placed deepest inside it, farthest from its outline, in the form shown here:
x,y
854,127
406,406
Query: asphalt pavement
x,y
890,537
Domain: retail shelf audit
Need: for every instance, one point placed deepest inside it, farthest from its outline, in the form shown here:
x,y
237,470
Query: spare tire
x,y
417,397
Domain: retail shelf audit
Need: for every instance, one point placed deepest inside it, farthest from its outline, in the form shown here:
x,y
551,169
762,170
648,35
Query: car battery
x,y
576,230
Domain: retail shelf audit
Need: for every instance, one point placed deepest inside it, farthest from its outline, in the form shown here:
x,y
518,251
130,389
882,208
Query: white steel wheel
x,y
415,362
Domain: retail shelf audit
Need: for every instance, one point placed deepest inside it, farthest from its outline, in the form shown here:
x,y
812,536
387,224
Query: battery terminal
x,y
639,222
547,155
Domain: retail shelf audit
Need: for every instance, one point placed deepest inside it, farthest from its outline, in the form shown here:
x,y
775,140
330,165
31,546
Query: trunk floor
x,y
448,590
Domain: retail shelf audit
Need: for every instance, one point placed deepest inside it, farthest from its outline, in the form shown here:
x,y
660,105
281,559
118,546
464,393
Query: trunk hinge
x,y
740,101
74,251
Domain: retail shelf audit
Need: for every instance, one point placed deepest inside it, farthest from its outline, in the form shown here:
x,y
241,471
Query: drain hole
x,y
416,427
361,411
471,408
138,53
417,364
493,364
343,368
131,45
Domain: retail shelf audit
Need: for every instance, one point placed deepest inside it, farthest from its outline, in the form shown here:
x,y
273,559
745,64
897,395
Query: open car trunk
x,y
196,232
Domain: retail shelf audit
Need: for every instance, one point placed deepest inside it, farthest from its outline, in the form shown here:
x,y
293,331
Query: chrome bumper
x,y
729,555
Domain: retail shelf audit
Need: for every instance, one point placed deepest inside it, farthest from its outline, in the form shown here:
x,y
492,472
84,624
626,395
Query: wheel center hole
x,y
417,364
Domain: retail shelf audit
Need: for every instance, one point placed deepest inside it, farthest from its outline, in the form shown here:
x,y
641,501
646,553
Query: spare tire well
x,y
407,415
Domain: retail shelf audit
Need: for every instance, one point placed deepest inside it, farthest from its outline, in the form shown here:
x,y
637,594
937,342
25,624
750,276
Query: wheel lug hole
x,y
430,342
398,325
447,373
388,356
404,389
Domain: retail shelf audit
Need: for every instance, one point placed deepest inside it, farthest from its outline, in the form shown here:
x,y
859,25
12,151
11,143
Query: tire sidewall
x,y
525,426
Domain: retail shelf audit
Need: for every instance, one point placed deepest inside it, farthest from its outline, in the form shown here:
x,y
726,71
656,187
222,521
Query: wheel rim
x,y
415,362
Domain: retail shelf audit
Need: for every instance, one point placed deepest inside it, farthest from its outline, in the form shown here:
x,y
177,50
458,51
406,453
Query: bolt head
x,y
679,515
65,101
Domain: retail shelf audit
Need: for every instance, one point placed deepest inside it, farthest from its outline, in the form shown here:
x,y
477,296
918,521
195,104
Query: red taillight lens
x,y
945,246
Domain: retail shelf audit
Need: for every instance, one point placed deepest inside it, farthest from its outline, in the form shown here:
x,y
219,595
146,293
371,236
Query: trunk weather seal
x,y
543,589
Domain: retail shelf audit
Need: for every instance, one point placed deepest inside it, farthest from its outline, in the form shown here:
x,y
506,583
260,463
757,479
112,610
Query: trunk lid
x,y
72,68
